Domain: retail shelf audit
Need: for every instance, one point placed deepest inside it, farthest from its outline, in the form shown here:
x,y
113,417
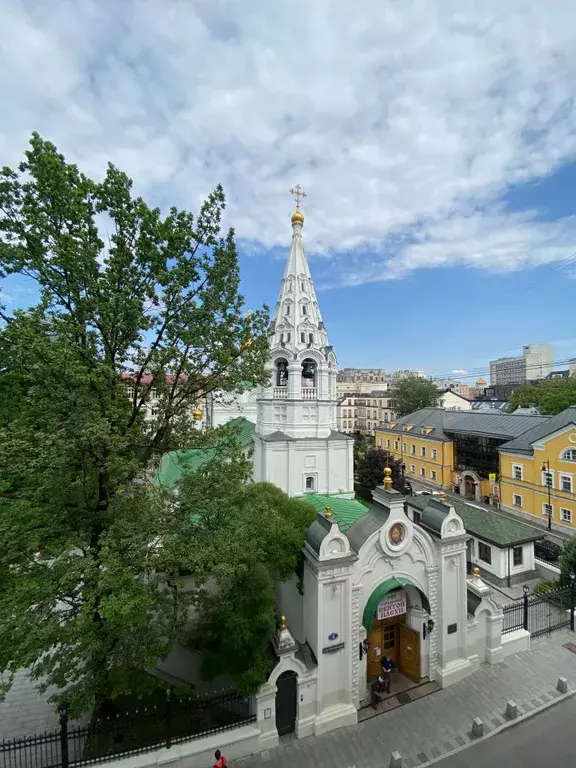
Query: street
x,y
545,739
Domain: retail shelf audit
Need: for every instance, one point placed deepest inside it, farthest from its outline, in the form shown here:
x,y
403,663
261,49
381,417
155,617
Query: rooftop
x,y
547,426
489,526
174,464
345,512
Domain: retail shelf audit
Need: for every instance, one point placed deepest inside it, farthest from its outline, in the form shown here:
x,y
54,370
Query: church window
x,y
287,337
287,309
309,483
311,338
303,338
308,373
303,285
281,338
304,309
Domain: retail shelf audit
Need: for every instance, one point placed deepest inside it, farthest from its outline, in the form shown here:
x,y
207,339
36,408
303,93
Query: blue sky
x,y
436,142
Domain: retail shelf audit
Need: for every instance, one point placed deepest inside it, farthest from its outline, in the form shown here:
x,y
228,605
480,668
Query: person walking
x,y
220,759
378,692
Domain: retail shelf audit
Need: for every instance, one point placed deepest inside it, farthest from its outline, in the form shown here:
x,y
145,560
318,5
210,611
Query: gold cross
x,y
298,193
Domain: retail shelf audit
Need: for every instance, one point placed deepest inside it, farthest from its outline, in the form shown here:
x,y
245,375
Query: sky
x,y
436,143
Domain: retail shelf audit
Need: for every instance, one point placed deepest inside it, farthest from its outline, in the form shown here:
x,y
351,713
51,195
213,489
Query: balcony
x,y
310,393
280,393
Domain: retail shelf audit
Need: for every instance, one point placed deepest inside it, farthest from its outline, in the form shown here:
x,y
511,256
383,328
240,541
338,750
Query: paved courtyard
x,y
439,723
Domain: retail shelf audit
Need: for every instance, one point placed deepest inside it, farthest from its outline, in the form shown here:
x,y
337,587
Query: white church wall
x,y
290,603
311,608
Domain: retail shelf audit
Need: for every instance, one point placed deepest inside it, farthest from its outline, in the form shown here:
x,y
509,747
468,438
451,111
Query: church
x,y
388,579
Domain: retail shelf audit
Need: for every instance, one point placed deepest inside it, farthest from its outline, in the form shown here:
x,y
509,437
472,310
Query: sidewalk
x,y
439,723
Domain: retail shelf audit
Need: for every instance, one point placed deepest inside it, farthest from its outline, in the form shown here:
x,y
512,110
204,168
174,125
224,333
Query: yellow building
x,y
454,449
538,469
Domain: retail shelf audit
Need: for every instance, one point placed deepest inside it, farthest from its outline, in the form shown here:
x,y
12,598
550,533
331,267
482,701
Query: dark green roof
x,y
345,512
444,423
550,424
484,524
174,464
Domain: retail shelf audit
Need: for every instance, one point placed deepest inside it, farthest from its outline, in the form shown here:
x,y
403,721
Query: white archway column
x,y
266,716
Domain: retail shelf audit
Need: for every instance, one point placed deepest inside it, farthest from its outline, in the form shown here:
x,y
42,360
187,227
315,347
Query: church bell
x,y
308,370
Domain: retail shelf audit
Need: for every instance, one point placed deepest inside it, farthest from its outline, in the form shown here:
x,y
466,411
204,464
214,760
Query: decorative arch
x,y
383,588
473,477
312,353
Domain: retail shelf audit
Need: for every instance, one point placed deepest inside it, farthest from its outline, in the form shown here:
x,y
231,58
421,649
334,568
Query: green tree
x,y
411,392
92,549
551,396
568,561
362,444
371,469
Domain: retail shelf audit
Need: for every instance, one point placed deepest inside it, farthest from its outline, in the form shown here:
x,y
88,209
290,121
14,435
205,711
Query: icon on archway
x,y
397,534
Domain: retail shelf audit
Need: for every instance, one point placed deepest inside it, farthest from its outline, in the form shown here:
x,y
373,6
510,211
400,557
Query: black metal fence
x,y
541,614
177,720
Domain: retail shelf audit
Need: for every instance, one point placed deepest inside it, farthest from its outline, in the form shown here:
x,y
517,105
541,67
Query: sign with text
x,y
393,604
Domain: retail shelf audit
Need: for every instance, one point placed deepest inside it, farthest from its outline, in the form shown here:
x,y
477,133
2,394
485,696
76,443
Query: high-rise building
x,y
535,363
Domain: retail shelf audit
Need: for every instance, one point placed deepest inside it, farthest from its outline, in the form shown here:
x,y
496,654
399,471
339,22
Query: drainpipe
x,y
508,567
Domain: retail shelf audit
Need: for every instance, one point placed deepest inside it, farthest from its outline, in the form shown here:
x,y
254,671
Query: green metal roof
x,y
345,512
174,464
489,526
548,426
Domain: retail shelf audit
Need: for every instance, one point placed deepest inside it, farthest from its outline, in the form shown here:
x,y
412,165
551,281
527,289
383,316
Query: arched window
x,y
281,338
309,483
304,309
303,284
281,372
287,308
308,373
311,338
288,337
569,454
303,338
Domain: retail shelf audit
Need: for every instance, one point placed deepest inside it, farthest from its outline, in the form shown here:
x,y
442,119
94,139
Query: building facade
x,y
536,363
363,412
538,471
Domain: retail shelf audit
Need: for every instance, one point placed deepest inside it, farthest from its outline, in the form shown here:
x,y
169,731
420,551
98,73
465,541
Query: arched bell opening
x,y
309,373
281,367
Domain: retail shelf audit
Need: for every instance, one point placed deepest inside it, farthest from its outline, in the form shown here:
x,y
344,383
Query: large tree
x,y
371,469
92,549
411,392
550,396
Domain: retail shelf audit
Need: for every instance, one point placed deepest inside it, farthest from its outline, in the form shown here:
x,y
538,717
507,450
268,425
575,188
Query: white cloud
x,y
459,372
404,122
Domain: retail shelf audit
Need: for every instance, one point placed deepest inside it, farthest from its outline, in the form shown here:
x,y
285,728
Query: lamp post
x,y
546,468
403,470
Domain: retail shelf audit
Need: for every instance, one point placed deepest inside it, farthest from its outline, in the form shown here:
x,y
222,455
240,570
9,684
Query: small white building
x,y
452,401
502,548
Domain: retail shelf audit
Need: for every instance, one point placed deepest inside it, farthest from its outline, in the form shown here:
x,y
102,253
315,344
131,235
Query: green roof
x,y
174,464
345,512
489,526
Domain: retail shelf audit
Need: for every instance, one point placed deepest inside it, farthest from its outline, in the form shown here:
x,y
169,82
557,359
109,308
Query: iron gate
x,y
541,614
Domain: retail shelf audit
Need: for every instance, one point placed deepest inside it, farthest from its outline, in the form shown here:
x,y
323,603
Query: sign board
x,y
492,477
393,604
333,648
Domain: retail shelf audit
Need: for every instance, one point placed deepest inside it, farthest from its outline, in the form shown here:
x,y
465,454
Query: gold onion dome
x,y
297,217
197,414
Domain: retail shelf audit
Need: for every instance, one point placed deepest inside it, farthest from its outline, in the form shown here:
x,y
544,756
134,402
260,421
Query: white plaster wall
x,y
499,565
290,603
311,608
547,570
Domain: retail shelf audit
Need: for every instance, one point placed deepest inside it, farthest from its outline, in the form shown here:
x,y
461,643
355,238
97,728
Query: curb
x,y
510,724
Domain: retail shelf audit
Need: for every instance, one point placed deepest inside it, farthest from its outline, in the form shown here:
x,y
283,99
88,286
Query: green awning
x,y
381,591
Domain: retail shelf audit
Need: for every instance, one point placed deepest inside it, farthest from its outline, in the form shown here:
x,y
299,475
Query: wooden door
x,y
383,641
410,652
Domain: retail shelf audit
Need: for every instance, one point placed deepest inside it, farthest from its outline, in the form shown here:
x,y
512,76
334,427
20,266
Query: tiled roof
x,y
442,422
489,526
548,425
345,512
174,464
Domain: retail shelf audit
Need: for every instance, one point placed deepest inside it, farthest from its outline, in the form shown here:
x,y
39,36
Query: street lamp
x,y
546,468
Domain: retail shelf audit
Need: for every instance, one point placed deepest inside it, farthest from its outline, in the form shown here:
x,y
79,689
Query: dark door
x,y
286,702
410,652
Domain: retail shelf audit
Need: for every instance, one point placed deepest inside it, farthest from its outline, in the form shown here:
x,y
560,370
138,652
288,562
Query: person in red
x,y
220,759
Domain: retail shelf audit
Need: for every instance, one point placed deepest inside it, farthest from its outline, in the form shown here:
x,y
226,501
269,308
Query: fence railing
x,y
541,614
176,720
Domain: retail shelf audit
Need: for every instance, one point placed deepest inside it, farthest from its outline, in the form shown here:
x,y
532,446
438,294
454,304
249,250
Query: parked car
x,y
547,550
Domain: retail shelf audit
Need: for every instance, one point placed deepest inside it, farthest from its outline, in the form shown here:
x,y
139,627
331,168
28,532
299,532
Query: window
x,y
517,472
303,338
517,556
548,510
387,443
303,285
432,474
423,450
413,450
565,515
569,454
154,411
380,441
288,337
422,471
434,453
287,309
517,500
389,637
548,479
566,483
412,467
311,338
309,483
395,445
404,447
304,309
485,552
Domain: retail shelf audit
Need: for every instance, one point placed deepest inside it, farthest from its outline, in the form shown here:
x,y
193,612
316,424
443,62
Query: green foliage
x,y
411,392
90,595
551,396
544,587
568,561
371,469
362,444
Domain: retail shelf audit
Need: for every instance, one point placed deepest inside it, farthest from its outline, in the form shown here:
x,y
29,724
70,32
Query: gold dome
x,y
197,414
297,217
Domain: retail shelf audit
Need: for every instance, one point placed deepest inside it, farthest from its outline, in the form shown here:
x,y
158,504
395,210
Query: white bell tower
x,y
297,445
